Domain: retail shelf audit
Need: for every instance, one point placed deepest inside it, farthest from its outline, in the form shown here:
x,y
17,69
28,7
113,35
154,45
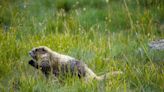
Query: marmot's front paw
x,y
33,63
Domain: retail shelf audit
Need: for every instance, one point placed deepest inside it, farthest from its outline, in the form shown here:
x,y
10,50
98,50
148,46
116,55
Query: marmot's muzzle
x,y
31,53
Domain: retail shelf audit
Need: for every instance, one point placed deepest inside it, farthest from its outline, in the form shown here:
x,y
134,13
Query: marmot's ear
x,y
43,49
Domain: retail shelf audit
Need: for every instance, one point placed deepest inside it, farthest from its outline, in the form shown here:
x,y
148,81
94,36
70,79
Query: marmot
x,y
59,64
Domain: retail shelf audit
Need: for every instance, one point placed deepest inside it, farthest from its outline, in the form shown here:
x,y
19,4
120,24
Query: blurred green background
x,y
107,35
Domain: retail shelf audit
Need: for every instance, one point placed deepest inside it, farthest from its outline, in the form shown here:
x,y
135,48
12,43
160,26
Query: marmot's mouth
x,y
32,55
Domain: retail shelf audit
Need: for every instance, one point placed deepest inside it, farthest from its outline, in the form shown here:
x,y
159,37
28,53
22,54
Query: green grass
x,y
107,35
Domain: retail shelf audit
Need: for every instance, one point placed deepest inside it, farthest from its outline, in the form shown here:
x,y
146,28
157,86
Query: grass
x,y
107,35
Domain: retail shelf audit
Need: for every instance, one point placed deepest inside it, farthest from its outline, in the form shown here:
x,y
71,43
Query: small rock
x,y
157,45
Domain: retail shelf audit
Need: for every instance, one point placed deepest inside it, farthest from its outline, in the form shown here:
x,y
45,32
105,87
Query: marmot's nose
x,y
30,53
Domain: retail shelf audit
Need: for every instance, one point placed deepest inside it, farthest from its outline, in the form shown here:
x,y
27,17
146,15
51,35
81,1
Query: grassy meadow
x,y
108,35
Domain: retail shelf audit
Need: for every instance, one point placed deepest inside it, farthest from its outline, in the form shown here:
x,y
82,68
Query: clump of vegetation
x,y
107,35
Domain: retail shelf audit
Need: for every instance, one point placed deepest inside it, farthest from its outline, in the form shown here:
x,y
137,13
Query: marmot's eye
x,y
36,49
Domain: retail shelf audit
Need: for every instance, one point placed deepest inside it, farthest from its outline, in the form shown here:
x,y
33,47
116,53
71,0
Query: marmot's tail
x,y
107,75
90,75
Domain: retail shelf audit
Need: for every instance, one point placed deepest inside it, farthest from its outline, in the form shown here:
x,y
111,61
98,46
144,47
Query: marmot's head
x,y
39,52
